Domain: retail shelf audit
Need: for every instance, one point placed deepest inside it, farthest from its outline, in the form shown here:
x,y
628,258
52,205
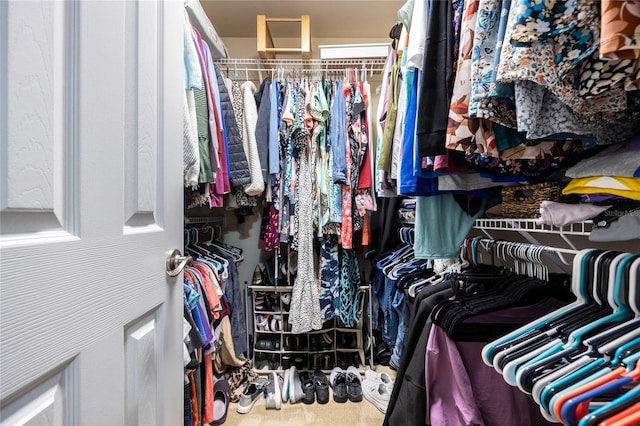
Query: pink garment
x,y
449,391
207,389
213,126
208,288
217,149
463,390
364,181
443,164
346,231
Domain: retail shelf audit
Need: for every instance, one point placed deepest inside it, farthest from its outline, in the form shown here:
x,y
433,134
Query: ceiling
x,y
329,18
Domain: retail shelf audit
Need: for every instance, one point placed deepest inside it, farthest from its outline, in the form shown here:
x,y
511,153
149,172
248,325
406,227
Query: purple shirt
x,y
463,390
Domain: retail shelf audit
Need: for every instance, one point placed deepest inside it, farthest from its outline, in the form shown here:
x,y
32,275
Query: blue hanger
x,y
574,339
578,288
620,345
632,394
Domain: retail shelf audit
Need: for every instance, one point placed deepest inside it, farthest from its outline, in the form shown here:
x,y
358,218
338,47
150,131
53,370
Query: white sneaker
x,y
379,377
386,380
285,386
376,393
371,375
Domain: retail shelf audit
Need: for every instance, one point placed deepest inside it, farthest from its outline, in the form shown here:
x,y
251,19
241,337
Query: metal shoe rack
x,y
275,348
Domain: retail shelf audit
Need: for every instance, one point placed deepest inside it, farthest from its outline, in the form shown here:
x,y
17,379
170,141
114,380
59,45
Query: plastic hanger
x,y
198,251
572,346
235,253
567,334
564,406
490,350
629,416
610,352
617,412
432,280
585,374
511,359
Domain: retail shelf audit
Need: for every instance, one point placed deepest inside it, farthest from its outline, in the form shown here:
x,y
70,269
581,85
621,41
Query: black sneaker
x,y
308,387
321,386
338,381
354,384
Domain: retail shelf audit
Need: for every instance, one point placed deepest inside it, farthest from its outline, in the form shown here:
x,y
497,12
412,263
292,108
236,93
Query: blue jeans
x,y
377,294
398,348
391,319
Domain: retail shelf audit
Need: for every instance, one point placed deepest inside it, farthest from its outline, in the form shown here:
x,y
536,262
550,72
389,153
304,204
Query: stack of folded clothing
x,y
608,185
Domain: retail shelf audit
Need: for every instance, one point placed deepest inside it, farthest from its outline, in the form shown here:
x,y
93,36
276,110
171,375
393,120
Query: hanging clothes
x,y
304,314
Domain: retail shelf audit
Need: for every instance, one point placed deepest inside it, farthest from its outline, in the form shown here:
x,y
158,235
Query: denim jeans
x,y
398,348
391,319
377,320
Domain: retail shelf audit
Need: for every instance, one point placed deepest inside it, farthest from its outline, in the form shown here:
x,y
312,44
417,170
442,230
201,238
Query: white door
x,y
90,206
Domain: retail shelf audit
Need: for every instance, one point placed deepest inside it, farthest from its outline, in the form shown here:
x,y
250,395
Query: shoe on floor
x,y
377,393
250,394
338,380
321,385
308,387
221,396
354,384
285,386
273,397
379,377
295,386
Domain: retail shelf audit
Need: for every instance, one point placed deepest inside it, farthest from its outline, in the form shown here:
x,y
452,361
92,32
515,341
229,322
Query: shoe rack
x,y
276,348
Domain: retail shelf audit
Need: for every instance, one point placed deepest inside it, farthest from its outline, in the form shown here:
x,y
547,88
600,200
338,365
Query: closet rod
x,y
308,65
561,262
209,220
301,71
544,248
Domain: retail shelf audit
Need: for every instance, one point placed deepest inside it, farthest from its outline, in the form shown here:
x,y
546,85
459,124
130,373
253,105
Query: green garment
x,y
202,117
392,112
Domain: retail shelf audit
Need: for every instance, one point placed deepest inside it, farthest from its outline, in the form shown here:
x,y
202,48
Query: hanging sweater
x,y
256,187
190,156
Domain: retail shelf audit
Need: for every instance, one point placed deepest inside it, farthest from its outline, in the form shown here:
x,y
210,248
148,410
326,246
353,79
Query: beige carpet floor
x,y
333,413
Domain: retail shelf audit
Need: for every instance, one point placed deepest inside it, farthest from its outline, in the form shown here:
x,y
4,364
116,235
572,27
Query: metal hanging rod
x,y
209,220
306,65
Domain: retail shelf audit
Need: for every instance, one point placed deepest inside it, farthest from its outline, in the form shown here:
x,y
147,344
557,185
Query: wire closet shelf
x,y
303,66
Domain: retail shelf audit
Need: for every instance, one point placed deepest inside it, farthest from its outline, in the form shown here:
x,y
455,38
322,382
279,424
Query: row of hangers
x,y
580,362
213,250
402,260
522,258
281,73
519,258
516,276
